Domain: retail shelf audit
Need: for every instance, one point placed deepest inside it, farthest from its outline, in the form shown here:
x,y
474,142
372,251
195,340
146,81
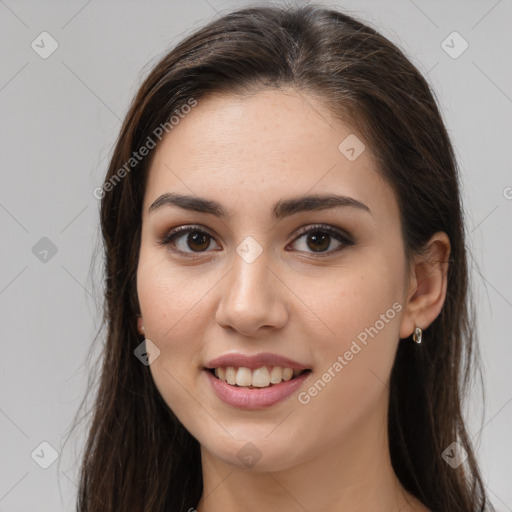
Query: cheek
x,y
360,313
355,361
172,302
349,299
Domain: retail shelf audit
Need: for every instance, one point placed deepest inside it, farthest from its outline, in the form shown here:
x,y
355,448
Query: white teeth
x,y
287,374
276,375
243,377
258,378
231,375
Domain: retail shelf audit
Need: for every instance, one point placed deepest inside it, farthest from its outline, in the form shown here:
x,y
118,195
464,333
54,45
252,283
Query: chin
x,y
258,454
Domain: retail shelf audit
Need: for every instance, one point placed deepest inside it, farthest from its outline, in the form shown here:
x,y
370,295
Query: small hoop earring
x,y
418,334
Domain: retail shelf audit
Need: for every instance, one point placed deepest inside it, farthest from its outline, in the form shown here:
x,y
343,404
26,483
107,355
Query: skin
x,y
247,153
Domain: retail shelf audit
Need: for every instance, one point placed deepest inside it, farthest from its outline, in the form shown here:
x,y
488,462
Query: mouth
x,y
257,378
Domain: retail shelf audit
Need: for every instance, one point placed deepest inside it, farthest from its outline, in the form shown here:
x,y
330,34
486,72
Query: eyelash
x,y
341,236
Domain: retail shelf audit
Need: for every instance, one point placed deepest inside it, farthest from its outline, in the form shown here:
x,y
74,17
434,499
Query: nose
x,y
253,297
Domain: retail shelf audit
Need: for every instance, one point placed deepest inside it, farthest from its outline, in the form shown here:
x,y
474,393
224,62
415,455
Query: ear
x,y
427,285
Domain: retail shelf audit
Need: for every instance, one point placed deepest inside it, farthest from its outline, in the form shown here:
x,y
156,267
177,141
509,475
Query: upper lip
x,y
255,361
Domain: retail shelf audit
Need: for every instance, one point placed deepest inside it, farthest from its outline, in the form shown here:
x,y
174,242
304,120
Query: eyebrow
x,y
283,208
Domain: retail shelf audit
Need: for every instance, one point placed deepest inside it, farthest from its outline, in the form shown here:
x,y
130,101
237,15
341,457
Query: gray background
x,y
59,119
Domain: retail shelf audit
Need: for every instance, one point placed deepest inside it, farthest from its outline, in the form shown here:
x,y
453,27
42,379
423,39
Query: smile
x,y
250,396
255,378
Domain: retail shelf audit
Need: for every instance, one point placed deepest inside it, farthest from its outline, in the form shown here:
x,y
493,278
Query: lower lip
x,y
255,398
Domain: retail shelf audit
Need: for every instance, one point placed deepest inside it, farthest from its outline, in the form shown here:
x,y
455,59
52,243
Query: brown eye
x,y
319,239
188,240
197,241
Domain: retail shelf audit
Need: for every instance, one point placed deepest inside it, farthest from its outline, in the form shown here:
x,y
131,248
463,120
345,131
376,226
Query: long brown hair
x,y
138,456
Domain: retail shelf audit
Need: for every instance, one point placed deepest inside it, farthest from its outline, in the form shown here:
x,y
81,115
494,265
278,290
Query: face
x,y
270,284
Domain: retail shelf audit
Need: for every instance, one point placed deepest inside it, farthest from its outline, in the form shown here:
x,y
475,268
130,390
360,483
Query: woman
x,y
287,304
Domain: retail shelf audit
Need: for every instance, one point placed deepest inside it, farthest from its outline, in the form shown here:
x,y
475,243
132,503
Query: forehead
x,y
256,149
